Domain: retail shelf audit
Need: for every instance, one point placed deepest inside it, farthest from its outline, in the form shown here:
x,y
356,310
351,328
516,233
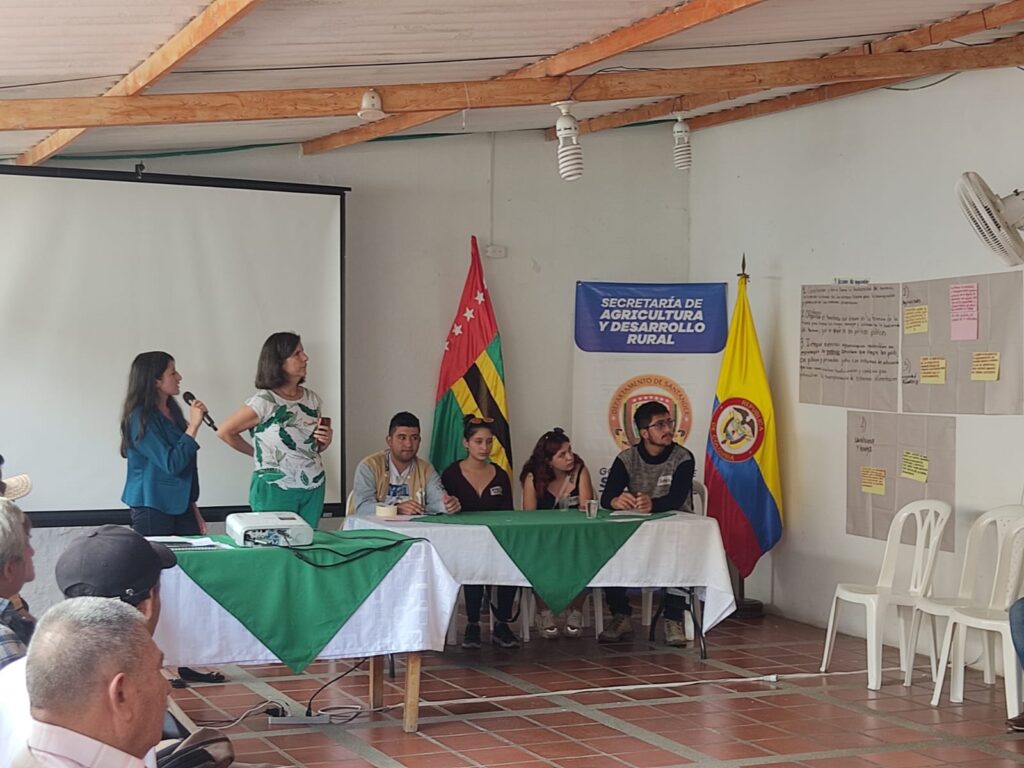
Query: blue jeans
x,y
1017,627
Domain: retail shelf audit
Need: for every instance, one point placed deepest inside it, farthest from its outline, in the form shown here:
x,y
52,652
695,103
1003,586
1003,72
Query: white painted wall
x,y
413,207
861,187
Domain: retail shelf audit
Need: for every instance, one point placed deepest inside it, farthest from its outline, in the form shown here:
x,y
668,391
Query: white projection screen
x,y
96,267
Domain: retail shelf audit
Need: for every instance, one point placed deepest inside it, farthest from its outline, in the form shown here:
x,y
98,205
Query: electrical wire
x,y
350,670
259,709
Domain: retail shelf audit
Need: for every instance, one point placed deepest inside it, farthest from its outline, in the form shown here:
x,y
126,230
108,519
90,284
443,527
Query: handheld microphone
x,y
188,397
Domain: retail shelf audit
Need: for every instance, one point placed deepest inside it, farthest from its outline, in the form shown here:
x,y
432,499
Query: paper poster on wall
x,y
968,317
849,345
913,456
622,333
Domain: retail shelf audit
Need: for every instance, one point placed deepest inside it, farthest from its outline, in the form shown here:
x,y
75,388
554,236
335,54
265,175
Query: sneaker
x,y
1016,723
471,640
503,637
574,624
675,633
620,628
546,624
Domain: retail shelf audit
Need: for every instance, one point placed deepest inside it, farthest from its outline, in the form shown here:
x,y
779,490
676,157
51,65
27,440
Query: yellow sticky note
x,y
985,366
933,370
872,480
914,466
915,319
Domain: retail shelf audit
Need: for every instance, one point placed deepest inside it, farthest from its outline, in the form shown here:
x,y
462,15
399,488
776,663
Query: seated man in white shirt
x,y
96,688
397,476
110,561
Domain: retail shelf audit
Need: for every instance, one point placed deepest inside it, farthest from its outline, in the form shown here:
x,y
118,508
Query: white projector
x,y
269,529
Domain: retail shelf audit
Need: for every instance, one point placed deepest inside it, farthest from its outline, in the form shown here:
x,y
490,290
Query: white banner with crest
x,y
636,342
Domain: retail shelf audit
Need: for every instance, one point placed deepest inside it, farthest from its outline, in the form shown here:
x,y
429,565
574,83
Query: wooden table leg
x,y
412,693
376,682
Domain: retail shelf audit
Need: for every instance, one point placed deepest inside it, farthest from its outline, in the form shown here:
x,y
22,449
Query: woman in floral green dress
x,y
288,433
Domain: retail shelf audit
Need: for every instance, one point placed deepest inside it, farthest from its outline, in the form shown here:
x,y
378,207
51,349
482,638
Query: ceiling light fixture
x,y
682,154
370,107
570,153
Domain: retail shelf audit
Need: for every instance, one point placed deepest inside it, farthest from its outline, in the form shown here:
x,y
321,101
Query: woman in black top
x,y
556,478
480,486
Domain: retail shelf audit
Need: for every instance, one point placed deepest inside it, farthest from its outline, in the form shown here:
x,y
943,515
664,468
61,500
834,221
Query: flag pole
x,y
746,607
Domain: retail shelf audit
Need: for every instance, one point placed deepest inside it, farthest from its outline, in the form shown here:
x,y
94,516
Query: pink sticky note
x,y
963,312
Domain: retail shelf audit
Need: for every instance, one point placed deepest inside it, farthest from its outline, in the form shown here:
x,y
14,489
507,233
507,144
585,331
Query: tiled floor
x,y
679,710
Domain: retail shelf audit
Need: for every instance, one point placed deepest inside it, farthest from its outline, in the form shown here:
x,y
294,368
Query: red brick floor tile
x,y
732,750
789,745
566,748
589,761
503,723
955,754
901,759
400,748
464,741
586,731
619,745
655,758
499,755
899,735
839,762
533,736
320,754
436,760
561,718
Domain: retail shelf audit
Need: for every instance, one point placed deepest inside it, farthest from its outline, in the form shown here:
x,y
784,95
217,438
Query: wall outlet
x,y
496,251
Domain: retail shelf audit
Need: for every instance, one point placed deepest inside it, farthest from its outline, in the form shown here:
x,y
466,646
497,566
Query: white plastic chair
x,y
993,619
928,520
1000,521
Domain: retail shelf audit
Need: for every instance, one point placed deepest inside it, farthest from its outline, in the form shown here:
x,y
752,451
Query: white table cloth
x,y
679,551
409,611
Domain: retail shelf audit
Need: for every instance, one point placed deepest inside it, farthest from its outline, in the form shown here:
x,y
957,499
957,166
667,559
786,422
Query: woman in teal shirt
x,y
162,486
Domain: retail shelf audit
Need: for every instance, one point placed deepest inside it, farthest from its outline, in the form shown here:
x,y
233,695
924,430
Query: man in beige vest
x,y
398,476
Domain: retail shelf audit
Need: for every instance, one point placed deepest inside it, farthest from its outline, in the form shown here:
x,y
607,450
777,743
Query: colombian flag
x,y
742,467
472,376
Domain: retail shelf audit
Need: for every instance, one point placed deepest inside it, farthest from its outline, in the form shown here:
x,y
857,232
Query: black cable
x,y
353,668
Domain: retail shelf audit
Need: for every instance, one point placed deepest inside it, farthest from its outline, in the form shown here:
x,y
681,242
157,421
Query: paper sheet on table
x,y
182,542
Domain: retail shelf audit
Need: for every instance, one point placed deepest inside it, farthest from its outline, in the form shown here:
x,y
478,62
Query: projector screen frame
x,y
94,517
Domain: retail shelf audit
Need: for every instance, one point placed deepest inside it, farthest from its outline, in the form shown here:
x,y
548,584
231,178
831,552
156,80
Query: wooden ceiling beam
x,y
971,23
668,22
166,109
214,19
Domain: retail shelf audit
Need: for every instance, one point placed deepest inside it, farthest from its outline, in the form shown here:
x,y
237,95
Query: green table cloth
x,y
558,550
295,606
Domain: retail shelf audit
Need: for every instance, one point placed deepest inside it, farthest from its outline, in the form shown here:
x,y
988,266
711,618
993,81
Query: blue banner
x,y
651,317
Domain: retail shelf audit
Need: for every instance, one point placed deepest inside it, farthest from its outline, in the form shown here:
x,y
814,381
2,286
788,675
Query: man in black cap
x,y
110,561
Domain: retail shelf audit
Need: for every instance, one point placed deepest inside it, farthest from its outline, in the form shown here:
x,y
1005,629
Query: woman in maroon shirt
x,y
480,486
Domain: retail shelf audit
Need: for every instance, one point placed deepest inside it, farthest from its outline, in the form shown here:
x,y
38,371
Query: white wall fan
x,y
997,220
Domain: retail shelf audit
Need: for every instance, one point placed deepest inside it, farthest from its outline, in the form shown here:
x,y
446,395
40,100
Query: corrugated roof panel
x,y
43,41
82,47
